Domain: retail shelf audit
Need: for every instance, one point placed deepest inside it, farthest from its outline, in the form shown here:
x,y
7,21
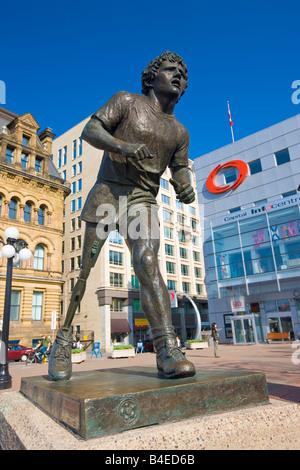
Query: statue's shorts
x,y
130,210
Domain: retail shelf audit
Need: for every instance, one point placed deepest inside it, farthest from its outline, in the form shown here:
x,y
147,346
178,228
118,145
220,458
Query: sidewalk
x,y
274,426
279,361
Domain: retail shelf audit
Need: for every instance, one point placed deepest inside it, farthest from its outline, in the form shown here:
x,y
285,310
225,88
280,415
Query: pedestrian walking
x,y
215,336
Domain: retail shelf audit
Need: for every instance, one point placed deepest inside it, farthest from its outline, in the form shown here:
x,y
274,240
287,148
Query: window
x,y
164,183
73,225
282,157
255,167
116,279
24,160
38,164
199,289
169,250
230,175
192,210
41,216
181,236
65,155
79,203
179,205
12,209
117,305
196,255
79,187
79,242
38,259
289,193
170,267
186,287
74,170
80,167
168,232
74,149
80,147
171,285
180,219
134,282
194,224
72,243
27,212
73,205
59,158
64,175
37,306
184,270
197,272
183,253
195,240
15,305
167,215
234,209
165,199
115,237
10,154
116,258
25,140
74,187
136,307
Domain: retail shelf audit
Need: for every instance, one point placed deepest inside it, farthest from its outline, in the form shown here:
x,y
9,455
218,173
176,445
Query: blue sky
x,y
62,60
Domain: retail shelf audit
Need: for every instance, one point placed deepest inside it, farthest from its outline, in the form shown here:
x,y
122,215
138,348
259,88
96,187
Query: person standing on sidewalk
x,y
215,335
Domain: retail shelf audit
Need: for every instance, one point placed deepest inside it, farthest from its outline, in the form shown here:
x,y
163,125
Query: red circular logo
x,y
242,169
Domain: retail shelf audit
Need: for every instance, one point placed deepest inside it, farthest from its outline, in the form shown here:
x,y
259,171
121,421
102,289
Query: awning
x,y
119,325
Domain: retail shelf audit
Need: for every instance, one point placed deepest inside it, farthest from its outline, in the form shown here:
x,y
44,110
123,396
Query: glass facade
x,y
267,243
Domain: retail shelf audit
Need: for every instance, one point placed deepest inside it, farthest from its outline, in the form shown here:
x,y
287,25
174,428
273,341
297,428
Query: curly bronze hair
x,y
150,72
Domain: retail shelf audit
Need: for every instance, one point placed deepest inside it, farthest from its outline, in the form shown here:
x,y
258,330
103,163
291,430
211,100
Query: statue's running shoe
x,y
60,363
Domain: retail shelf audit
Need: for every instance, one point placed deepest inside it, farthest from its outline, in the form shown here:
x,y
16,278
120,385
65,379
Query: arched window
x,y
12,211
41,216
39,256
27,212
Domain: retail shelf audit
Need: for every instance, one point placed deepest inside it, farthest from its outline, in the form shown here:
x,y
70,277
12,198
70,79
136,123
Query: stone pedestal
x,y
101,402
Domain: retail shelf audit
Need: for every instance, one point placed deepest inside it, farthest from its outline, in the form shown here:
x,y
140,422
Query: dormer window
x,y
24,160
25,140
10,154
38,164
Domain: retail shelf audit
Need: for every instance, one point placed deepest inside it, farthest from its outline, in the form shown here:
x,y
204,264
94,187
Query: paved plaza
x,y
273,426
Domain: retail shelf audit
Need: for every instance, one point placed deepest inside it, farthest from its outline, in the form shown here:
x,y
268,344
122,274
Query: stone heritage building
x,y
110,308
32,197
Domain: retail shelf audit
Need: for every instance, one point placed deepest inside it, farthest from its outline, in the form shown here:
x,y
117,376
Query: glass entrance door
x,y
244,329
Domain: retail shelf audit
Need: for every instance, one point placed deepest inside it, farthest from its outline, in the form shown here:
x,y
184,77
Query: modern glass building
x,y
251,233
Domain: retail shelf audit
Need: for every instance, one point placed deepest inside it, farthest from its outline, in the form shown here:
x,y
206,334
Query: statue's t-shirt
x,y
133,118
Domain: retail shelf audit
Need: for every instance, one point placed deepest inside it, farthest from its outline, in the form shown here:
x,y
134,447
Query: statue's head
x,y
151,71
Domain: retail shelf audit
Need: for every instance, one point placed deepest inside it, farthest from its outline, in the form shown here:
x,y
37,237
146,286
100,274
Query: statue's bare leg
x,y
60,365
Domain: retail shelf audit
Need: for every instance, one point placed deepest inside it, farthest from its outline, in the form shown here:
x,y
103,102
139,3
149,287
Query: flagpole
x,y
230,122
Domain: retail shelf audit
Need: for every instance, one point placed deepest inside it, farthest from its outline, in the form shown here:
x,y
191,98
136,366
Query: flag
x,y
229,114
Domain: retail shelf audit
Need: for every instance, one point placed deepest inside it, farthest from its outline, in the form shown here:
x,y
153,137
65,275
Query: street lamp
x,y
13,250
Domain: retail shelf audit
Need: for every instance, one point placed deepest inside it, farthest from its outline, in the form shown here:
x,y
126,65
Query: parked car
x,y
17,352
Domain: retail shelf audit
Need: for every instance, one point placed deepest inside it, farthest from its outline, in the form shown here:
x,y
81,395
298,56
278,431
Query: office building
x,y
251,231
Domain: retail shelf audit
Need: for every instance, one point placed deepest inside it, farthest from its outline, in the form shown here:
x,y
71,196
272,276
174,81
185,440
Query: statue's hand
x,y
185,192
136,151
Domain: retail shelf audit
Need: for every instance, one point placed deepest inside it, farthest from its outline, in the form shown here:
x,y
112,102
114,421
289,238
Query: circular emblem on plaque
x,y
129,410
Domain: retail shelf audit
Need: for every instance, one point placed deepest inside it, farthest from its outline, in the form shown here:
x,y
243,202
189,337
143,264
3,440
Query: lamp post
x,y
13,250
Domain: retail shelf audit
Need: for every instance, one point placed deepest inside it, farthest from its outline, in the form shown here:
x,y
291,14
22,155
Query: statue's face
x,y
170,80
